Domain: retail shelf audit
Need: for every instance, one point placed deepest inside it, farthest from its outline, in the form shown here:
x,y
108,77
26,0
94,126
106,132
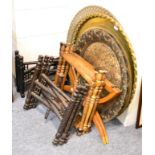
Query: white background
x,y
137,18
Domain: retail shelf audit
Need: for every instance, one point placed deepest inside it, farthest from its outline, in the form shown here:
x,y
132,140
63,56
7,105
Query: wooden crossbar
x,y
85,69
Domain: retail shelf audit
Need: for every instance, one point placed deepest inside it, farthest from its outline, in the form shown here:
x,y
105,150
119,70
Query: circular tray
x,y
99,39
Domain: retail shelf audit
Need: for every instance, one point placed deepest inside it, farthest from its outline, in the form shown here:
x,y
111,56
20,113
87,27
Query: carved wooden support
x,y
65,134
63,66
55,105
85,109
17,70
48,105
50,96
82,91
91,101
24,72
99,85
70,116
45,69
57,76
28,104
21,72
53,86
53,98
57,99
65,119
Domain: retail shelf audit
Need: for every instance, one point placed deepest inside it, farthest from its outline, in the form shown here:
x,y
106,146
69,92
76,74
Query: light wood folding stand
x,y
75,66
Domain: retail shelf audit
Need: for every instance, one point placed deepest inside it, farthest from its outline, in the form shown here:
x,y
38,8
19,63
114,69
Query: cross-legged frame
x,y
75,66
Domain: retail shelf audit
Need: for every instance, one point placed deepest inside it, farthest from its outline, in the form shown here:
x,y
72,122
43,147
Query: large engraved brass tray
x,y
99,38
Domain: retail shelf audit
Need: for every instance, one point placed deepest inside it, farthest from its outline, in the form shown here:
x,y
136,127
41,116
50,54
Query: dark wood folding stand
x,y
24,72
66,108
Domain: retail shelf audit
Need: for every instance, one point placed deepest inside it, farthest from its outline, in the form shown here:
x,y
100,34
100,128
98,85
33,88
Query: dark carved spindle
x,y
28,104
21,71
17,69
69,116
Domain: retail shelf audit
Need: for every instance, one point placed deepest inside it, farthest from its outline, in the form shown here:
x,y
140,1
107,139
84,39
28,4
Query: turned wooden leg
x,y
70,115
45,69
58,80
21,79
64,69
65,119
82,91
92,100
65,134
85,109
97,92
63,122
28,102
63,66
17,70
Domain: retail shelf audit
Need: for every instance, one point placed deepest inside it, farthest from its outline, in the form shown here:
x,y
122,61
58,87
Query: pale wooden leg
x,y
59,68
101,128
92,100
85,109
63,66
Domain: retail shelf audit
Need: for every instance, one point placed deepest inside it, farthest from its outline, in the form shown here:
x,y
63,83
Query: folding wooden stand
x,y
75,66
66,108
25,70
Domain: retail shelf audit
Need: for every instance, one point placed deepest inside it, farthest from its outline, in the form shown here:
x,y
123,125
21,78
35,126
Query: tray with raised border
x,y
99,38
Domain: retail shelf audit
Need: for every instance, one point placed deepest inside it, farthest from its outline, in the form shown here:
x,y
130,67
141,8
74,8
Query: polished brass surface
x,y
100,39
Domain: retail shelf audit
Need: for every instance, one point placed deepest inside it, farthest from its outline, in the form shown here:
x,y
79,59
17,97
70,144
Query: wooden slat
x,y
85,69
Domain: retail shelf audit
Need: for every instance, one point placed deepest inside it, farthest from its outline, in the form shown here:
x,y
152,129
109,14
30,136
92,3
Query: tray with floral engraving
x,y
100,39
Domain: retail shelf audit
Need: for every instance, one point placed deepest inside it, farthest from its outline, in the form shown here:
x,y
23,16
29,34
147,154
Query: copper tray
x,y
99,38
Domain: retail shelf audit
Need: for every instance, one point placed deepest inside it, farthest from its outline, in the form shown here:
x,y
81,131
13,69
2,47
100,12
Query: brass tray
x,y
99,38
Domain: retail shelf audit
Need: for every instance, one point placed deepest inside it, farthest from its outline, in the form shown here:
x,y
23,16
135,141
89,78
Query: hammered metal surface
x,y
102,57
